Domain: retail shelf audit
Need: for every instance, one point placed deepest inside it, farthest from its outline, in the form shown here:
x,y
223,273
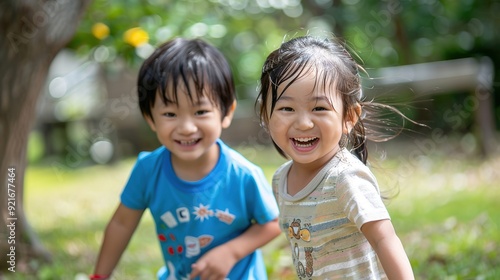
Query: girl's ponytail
x,y
359,148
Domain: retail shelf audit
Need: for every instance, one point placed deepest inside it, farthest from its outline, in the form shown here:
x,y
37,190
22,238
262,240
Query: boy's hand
x,y
214,264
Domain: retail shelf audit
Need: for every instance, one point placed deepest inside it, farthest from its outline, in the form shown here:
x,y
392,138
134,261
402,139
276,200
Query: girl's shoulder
x,y
347,163
283,168
352,172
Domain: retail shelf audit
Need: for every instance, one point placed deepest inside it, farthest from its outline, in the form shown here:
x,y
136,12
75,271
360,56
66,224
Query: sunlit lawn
x,y
447,215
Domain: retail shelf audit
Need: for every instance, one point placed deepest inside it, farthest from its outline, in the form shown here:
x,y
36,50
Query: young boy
x,y
212,208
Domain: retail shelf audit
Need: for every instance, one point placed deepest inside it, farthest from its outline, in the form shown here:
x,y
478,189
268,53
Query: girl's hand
x,y
214,264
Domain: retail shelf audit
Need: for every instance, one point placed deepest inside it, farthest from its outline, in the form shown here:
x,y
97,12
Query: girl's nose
x,y
303,122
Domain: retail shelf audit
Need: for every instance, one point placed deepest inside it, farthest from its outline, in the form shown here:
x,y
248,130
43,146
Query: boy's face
x,y
189,129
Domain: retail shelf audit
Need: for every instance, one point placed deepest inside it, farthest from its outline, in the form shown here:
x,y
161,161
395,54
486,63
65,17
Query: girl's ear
x,y
226,121
352,118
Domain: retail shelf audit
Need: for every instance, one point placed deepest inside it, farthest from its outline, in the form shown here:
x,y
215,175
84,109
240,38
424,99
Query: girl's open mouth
x,y
305,142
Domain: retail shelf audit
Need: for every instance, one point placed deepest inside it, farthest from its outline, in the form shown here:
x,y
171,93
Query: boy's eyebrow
x,y
201,101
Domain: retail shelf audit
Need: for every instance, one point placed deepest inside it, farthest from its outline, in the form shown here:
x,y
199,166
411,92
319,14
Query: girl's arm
x,y
219,261
390,251
116,238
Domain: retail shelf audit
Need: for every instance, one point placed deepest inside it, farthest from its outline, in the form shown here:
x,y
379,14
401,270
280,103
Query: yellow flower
x,y
136,36
100,30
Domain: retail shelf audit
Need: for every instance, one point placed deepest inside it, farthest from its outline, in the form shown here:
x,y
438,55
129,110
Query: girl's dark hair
x,y
185,62
335,68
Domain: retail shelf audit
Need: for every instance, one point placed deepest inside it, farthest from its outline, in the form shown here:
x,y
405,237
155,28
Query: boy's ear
x,y
226,121
352,118
150,122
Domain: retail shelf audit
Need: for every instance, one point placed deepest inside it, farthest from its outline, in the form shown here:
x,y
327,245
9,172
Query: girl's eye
x,y
286,109
320,109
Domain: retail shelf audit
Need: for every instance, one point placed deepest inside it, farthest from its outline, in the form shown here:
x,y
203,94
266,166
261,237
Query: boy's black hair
x,y
196,66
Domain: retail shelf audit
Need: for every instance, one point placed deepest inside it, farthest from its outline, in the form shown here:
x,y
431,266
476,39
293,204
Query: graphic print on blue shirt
x,y
193,244
191,218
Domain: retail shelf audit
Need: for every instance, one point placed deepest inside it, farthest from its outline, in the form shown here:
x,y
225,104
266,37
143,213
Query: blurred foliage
x,y
244,30
383,33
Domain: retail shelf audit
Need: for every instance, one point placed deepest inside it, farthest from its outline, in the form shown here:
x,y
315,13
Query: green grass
x,y
446,215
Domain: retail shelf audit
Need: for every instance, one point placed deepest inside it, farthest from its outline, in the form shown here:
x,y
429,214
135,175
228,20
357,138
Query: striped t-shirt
x,y
322,222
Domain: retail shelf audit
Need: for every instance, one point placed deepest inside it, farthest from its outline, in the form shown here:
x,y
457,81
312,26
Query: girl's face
x,y
307,121
189,129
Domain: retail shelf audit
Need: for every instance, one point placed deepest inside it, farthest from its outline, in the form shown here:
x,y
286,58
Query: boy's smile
x,y
189,129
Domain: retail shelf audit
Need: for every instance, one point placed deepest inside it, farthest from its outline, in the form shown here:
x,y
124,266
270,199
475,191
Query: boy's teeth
x,y
187,142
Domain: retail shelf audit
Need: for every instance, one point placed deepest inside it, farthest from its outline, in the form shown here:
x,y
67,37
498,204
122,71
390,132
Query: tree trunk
x,y
32,32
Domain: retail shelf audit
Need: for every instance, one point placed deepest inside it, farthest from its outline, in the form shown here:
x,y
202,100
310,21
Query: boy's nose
x,y
187,126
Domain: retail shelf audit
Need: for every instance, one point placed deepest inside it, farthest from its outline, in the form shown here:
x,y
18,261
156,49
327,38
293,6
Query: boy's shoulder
x,y
235,158
231,159
151,154
151,157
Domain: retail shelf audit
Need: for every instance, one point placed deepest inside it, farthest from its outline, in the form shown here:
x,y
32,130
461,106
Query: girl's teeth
x,y
305,139
304,145
304,142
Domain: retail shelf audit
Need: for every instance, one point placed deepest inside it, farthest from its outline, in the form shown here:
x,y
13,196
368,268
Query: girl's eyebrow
x,y
284,97
320,98
313,98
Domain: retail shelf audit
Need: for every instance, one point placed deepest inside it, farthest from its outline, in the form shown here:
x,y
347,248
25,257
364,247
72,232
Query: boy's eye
x,y
201,112
169,115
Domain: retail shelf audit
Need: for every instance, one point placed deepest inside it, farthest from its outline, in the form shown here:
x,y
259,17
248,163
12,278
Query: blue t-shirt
x,y
194,217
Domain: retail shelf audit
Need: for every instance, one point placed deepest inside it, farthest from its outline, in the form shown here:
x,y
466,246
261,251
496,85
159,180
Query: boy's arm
x,y
256,236
390,251
116,238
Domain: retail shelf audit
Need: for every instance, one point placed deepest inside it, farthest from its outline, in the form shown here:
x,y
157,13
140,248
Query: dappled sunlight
x,y
69,76
445,213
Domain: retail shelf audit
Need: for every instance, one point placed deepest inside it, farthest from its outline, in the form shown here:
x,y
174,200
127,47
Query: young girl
x,y
212,208
330,205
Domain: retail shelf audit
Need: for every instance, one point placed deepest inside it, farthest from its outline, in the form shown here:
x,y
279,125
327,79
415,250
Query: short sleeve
x,y
359,192
261,201
134,193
